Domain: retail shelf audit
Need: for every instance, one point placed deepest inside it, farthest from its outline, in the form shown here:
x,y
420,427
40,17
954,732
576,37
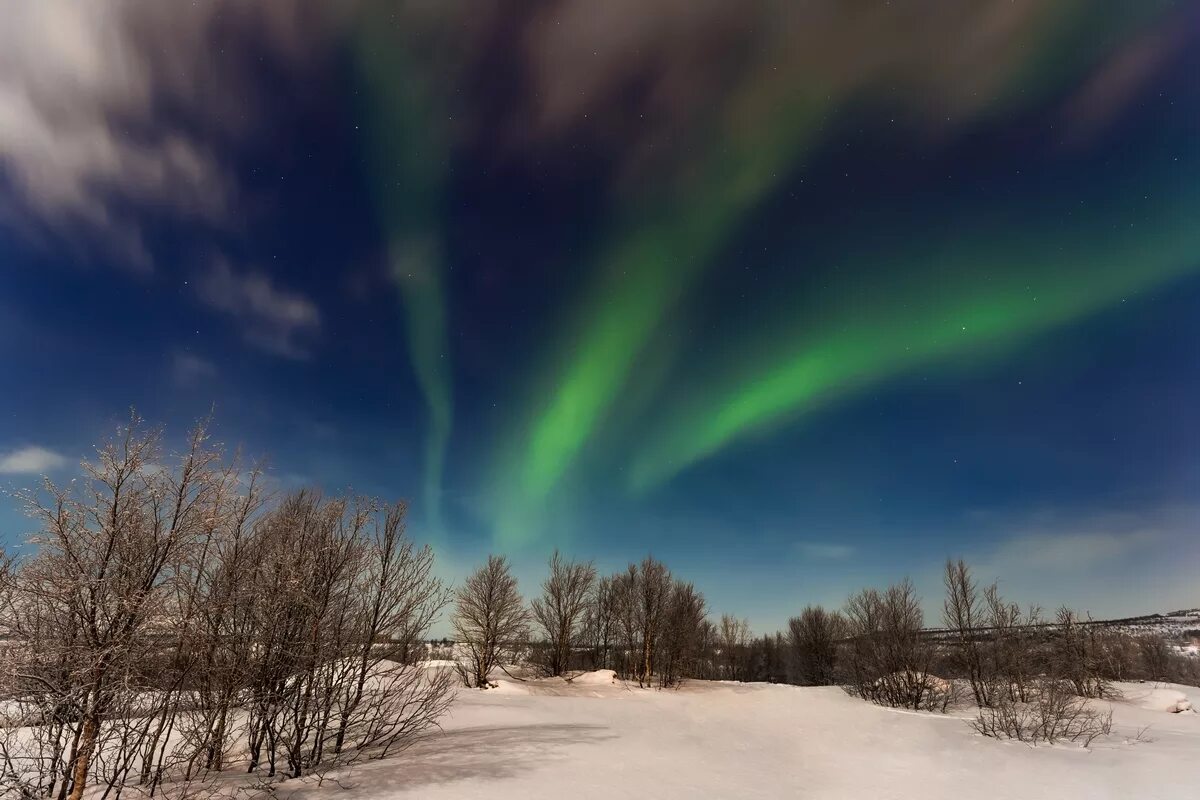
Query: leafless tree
x,y
733,642
397,601
1077,655
682,635
166,614
625,591
1013,642
98,592
659,630
1155,656
560,611
600,623
340,599
768,659
963,614
490,619
889,657
706,666
813,639
1118,657
651,604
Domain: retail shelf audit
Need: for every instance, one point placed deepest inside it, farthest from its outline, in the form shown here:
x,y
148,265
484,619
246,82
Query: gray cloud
x,y
272,319
1061,543
1112,563
824,551
33,460
188,369
656,78
109,110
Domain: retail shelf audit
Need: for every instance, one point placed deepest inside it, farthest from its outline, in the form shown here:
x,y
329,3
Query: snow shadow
x,y
472,753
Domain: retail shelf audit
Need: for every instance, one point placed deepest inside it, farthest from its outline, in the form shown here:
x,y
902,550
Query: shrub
x,y
1054,713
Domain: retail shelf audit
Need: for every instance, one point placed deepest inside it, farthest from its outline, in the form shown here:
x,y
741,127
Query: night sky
x,y
798,297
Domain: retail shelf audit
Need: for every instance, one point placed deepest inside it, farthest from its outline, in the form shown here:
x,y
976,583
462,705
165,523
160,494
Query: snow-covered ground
x,y
593,738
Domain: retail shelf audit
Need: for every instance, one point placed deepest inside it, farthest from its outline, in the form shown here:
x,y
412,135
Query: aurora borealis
x,y
796,294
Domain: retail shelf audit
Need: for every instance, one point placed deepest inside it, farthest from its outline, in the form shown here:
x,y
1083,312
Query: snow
x,y
597,738
1170,697
600,677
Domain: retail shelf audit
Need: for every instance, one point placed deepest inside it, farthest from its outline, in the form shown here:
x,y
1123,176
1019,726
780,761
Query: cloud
x,y
110,110
32,460
1074,552
824,551
1111,563
1127,74
1054,543
188,369
652,72
272,319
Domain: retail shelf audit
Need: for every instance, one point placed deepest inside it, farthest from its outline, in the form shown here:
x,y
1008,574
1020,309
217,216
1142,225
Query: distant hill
x,y
1182,626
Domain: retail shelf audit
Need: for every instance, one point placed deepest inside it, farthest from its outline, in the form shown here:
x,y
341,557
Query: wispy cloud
x,y
1071,551
1112,563
188,369
1062,543
84,145
272,319
824,551
33,460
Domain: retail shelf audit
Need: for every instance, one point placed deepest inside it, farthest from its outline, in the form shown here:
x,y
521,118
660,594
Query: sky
x,y
797,297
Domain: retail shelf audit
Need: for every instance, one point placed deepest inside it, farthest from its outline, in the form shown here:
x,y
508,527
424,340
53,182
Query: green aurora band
x,y
645,275
407,153
1037,286
668,241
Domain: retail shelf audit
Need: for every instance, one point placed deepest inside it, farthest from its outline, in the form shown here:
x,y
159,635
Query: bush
x,y
1054,713
888,656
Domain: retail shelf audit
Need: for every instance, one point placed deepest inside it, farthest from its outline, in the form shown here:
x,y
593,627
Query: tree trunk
x,y
87,748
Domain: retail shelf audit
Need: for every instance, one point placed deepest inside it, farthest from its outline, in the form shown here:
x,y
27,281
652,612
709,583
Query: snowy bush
x,y
888,656
1054,713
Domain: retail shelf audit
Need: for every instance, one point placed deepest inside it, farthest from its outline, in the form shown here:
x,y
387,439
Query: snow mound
x,y
1161,698
507,687
601,677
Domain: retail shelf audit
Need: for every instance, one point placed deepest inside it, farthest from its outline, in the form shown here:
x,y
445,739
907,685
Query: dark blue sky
x,y
796,300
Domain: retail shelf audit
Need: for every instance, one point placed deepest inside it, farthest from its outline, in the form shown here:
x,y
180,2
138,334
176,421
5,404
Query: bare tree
x,y
600,623
1013,636
813,639
100,587
733,641
962,614
1077,655
653,592
561,609
1155,655
163,616
340,599
768,659
682,636
889,657
489,619
378,701
658,625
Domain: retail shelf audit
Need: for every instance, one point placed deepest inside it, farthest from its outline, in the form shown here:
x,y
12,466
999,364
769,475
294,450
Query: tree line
x,y
643,622
1030,676
652,627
